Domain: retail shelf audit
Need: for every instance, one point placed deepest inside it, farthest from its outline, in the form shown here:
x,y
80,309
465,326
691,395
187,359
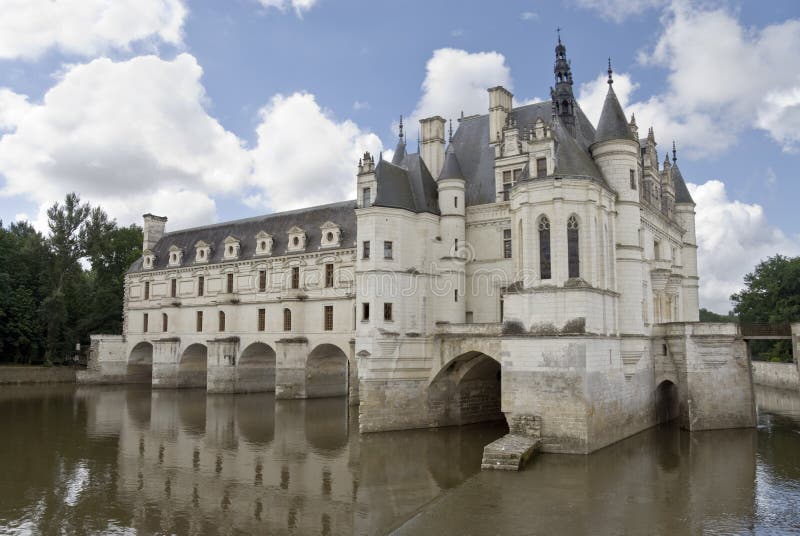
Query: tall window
x,y
365,311
145,319
262,319
173,288
387,311
573,254
329,275
455,295
295,277
328,317
366,197
230,283
221,321
199,321
262,280
506,243
544,247
541,167
201,285
164,322
387,250
365,249
633,180
287,320
657,250
507,184
147,290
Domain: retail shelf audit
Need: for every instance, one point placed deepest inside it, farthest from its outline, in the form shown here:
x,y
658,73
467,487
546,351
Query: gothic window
x,y
164,322
145,319
173,288
328,317
573,255
221,321
147,290
230,284
506,243
262,280
201,285
287,320
295,277
199,321
544,247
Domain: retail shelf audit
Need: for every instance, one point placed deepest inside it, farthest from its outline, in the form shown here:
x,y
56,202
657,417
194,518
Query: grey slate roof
x,y
476,157
277,224
570,158
612,124
682,194
406,183
451,169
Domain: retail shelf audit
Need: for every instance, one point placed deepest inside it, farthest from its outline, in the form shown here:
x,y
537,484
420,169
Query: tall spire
x,y
562,95
450,138
401,128
610,72
612,124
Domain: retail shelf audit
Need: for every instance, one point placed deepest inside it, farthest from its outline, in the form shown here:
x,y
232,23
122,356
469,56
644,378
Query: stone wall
x,y
780,375
16,375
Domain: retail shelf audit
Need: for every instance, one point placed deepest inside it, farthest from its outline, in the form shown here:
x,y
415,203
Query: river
x,y
131,461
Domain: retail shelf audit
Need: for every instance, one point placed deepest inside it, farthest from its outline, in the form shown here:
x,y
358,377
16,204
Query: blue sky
x,y
208,110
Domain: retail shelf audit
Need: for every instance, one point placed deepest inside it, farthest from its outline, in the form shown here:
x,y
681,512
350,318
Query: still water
x,y
128,461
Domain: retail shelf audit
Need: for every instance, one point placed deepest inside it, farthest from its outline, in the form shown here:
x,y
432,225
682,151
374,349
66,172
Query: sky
x,y
204,111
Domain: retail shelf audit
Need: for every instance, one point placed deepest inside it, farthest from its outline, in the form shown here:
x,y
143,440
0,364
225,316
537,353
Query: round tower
x,y
455,250
616,153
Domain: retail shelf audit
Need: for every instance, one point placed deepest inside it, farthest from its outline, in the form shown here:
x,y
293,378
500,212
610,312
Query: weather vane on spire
x,y
674,153
610,79
401,128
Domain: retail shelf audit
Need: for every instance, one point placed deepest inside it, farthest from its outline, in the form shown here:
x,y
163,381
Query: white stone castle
x,y
526,265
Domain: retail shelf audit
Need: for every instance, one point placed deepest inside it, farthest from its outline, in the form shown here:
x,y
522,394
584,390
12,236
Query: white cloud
x,y
304,155
619,10
13,107
133,136
299,6
29,28
456,81
529,15
732,237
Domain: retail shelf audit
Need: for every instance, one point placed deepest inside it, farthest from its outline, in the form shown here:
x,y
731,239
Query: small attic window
x,y
230,250
329,236
202,253
174,257
147,261
295,241
263,245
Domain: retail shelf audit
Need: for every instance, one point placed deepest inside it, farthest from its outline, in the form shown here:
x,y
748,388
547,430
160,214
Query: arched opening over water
x,y
326,372
140,363
192,367
255,370
468,390
667,402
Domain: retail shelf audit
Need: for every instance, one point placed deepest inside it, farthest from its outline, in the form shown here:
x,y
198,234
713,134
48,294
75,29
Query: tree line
x,y
56,290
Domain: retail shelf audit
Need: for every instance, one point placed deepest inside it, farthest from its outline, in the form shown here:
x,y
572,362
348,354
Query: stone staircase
x,y
512,451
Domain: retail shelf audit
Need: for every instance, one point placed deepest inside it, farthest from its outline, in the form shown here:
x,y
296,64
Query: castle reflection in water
x,y
191,463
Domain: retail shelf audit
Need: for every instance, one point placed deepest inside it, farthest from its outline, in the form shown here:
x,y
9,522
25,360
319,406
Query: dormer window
x,y
175,256
297,239
264,243
232,247
148,259
331,235
202,251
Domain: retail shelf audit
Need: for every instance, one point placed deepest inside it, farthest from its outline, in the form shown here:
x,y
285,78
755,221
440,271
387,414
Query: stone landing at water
x,y
509,453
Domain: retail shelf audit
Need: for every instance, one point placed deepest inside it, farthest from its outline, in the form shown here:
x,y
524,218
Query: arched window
x,y
544,247
573,255
287,320
164,322
221,321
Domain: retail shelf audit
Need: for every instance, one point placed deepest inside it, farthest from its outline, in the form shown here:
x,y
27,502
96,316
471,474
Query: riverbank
x,y
25,374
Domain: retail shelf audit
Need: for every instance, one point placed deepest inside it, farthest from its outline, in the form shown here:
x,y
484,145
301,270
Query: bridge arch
x,y
667,402
140,363
468,389
327,369
193,366
255,369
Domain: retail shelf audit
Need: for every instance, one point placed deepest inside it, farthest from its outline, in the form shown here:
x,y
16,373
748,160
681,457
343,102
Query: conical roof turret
x,y
451,168
612,125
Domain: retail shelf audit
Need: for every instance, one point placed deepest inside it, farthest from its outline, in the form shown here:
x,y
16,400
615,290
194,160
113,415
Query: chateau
x,y
523,264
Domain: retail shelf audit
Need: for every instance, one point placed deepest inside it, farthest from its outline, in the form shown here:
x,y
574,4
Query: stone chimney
x,y
500,104
432,144
153,230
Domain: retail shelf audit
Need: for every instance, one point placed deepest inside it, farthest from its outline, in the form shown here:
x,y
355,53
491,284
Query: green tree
x,y
711,316
771,296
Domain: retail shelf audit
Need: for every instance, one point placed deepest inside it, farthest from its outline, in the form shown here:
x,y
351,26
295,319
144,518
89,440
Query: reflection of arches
x,y
140,363
326,372
192,366
667,402
137,401
255,417
326,424
191,412
468,389
255,370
